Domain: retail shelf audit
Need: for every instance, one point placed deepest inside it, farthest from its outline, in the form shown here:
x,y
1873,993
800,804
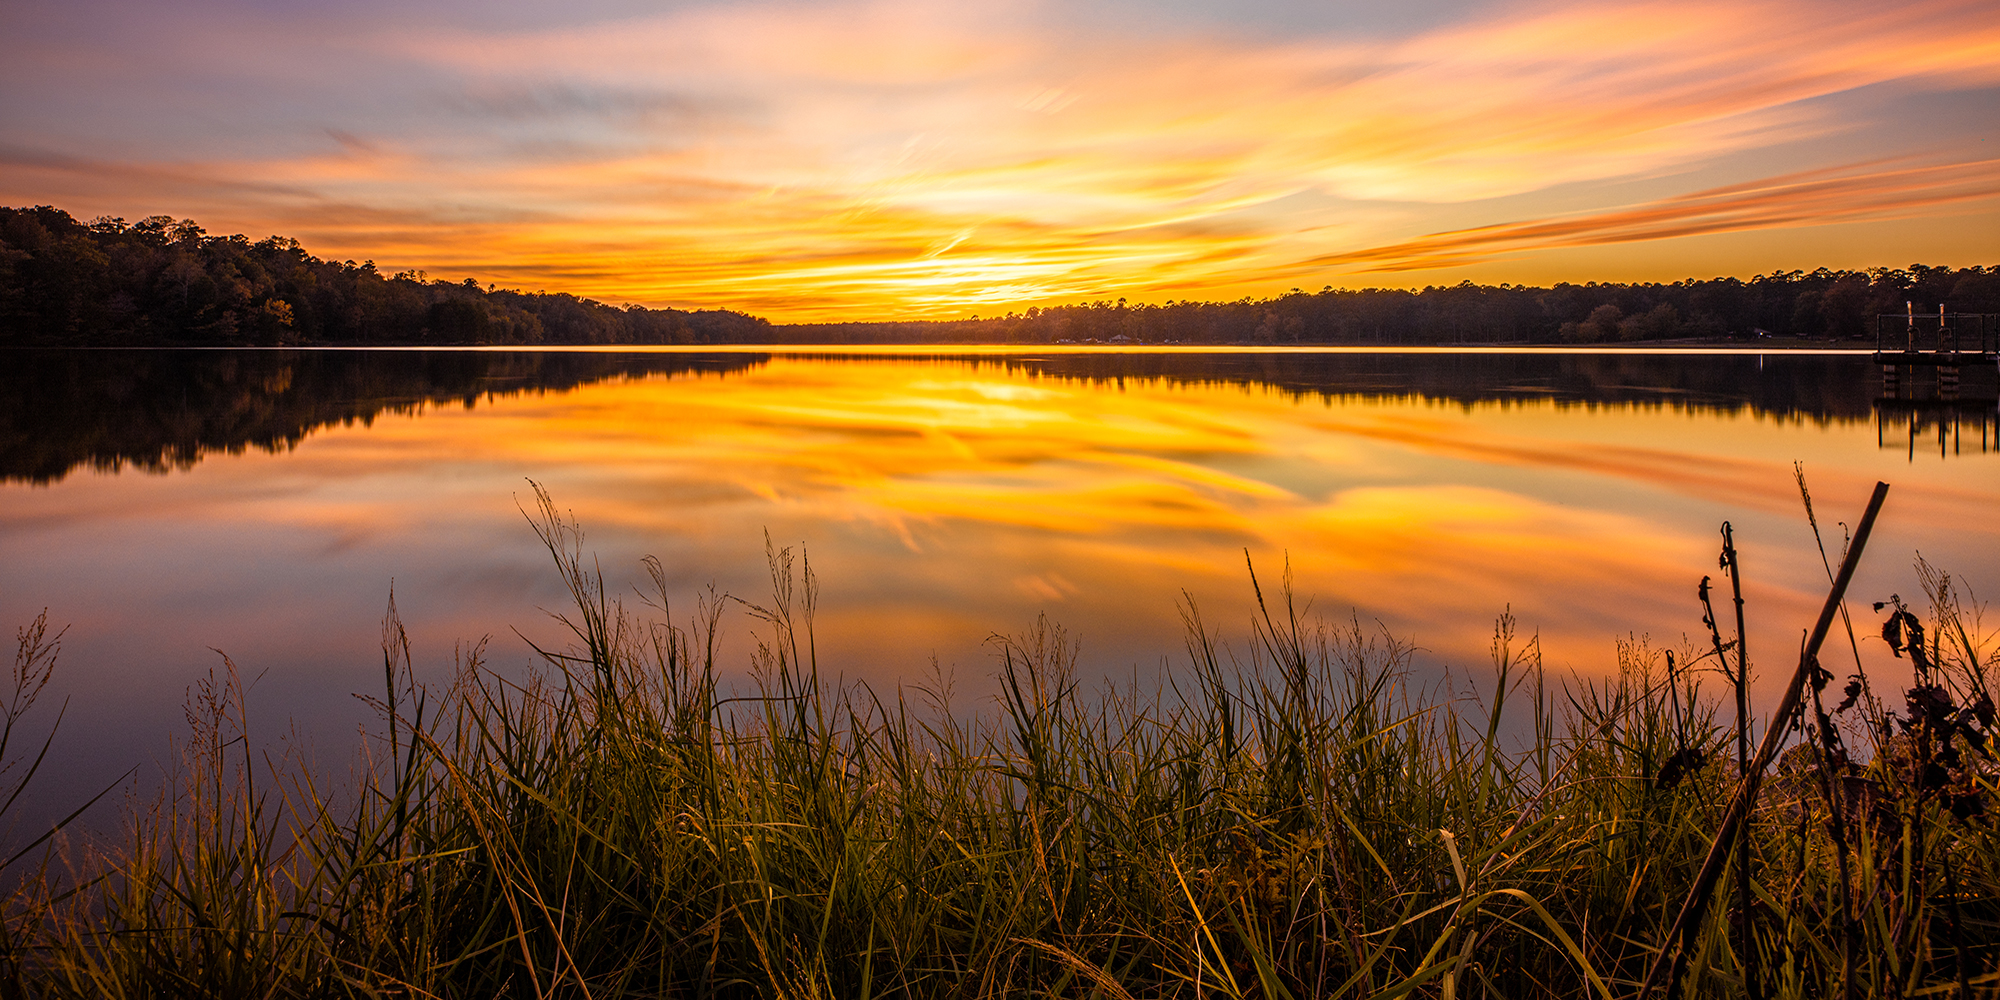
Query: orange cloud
x,y
1810,198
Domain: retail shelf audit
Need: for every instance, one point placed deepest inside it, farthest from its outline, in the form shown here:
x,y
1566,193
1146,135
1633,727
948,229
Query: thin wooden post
x,y
1753,987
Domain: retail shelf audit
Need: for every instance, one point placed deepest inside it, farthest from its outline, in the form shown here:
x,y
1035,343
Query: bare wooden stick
x,y
1752,987
1673,955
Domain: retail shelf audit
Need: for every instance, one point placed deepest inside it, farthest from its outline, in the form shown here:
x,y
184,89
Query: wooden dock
x,y
1942,342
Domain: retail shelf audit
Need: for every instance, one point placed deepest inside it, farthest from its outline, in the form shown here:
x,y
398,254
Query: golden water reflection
x,y
942,501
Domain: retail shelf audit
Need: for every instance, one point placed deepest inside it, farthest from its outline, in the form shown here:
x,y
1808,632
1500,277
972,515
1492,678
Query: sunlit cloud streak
x,y
850,159
1812,198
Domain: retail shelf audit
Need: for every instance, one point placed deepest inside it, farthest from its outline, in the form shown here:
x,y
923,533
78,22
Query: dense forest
x,y
1820,304
166,282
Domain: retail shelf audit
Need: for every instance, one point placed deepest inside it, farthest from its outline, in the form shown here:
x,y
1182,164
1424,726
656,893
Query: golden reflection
x,y
942,501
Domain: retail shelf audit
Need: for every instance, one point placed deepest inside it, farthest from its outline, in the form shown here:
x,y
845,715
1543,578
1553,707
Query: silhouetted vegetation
x,y
166,282
1821,304
1289,814
163,281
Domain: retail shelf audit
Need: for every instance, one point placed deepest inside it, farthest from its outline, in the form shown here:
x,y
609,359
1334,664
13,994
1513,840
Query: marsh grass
x,y
1289,817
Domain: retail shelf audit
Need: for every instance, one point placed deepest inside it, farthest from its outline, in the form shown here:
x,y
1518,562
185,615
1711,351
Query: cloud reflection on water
x,y
942,501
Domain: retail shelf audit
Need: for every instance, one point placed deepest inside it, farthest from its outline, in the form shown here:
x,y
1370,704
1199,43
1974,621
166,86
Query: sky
x,y
884,159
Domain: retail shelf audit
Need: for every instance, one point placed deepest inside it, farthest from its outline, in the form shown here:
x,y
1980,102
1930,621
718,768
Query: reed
x,y
1290,816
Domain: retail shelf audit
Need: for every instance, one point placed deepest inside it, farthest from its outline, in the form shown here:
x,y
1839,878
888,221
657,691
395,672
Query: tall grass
x,y
1292,816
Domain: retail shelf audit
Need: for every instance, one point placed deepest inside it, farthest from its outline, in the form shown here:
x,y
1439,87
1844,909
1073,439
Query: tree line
x,y
166,281
1821,304
162,281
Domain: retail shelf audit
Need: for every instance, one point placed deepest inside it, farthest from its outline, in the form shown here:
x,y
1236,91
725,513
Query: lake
x,y
164,505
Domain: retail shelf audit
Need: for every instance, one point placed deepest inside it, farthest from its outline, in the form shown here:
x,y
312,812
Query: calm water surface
x,y
165,505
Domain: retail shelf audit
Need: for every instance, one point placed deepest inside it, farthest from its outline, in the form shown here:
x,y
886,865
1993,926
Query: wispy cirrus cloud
x,y
1809,198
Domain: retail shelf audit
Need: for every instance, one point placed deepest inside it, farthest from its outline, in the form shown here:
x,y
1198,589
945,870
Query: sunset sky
x,y
865,159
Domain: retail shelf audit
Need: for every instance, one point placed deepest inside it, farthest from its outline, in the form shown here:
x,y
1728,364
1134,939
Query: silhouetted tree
x,y
167,281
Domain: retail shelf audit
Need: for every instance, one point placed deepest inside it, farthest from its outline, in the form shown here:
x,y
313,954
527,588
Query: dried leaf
x,y
1853,692
1679,766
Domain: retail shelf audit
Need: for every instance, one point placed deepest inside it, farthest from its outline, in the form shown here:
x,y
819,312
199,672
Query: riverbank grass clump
x,y
1291,816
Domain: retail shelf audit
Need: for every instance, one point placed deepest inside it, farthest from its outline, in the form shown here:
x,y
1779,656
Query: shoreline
x,y
893,349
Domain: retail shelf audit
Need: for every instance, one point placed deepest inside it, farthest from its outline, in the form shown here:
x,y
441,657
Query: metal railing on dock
x,y
1941,341
1937,338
